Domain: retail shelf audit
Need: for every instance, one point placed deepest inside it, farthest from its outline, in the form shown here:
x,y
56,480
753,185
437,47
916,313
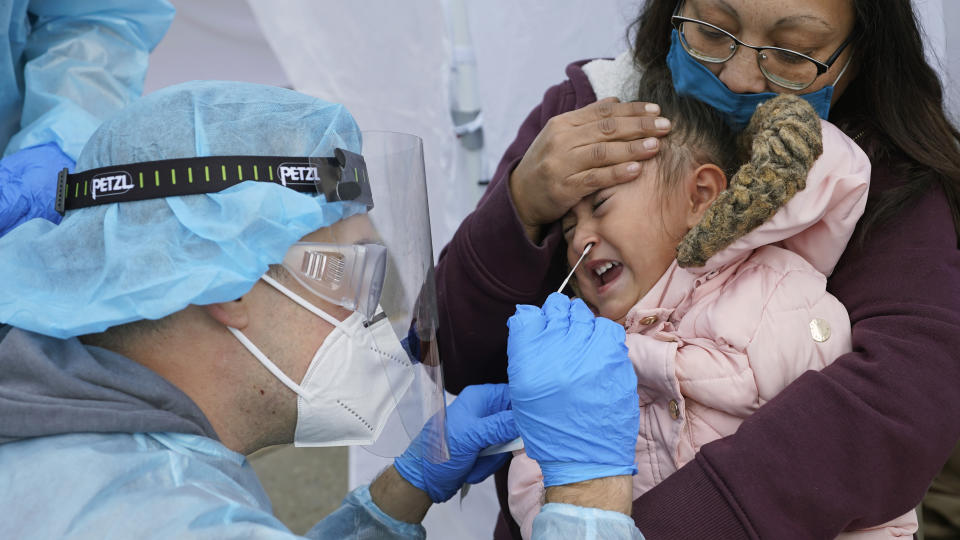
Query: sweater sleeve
x,y
490,265
857,443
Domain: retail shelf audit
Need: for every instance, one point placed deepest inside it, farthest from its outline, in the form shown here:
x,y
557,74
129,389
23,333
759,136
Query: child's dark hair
x,y
698,135
778,148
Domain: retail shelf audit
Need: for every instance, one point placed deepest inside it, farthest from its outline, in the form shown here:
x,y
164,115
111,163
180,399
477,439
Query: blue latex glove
x,y
573,390
28,185
478,418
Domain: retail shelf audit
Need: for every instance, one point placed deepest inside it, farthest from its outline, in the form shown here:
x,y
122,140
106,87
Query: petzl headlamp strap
x,y
339,178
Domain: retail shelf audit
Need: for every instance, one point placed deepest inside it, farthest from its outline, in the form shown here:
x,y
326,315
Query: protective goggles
x,y
347,275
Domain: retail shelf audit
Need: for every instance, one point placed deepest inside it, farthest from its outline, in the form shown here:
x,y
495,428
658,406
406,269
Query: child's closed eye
x,y
601,197
598,202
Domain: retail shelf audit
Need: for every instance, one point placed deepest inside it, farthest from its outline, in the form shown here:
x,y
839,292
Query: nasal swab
x,y
574,269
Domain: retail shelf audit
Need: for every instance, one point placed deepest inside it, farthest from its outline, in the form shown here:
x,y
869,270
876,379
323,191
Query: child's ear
x,y
703,186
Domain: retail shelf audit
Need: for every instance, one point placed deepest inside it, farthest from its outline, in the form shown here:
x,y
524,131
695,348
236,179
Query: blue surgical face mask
x,y
693,79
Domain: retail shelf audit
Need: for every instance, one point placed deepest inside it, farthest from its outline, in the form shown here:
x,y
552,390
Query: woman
x,y
848,447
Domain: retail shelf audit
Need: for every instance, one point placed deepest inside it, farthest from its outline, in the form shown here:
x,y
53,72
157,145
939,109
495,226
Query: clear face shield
x,y
379,264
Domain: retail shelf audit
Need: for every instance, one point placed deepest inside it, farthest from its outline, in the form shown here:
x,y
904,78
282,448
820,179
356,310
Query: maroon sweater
x,y
848,447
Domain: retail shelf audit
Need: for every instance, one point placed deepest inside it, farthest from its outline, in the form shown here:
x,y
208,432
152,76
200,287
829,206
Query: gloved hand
x,y
573,390
478,418
28,184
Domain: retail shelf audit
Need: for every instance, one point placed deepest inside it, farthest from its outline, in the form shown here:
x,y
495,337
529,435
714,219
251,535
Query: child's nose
x,y
582,236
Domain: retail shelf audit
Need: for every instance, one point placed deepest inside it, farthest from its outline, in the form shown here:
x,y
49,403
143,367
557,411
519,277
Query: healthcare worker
x,y
232,272
66,66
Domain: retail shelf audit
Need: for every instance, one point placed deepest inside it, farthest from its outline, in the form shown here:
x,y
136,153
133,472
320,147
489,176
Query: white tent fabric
x,y
390,64
213,39
940,23
402,66
950,69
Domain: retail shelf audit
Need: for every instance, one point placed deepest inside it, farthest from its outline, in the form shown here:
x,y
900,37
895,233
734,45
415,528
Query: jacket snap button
x,y
819,330
674,409
648,320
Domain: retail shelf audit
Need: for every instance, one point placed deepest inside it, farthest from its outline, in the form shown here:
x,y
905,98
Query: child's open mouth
x,y
605,272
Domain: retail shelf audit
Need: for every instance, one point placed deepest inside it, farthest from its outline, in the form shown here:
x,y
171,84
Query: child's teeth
x,y
601,269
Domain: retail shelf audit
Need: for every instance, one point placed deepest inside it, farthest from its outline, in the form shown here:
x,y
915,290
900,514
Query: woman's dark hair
x,y
892,72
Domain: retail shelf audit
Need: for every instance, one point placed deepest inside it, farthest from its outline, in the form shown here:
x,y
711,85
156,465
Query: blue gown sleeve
x,y
557,520
83,62
359,517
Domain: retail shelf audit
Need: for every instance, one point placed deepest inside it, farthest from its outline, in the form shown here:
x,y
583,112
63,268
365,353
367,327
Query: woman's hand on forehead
x,y
580,152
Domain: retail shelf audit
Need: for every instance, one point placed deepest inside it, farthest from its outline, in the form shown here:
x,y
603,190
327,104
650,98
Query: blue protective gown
x,y
155,485
171,485
68,64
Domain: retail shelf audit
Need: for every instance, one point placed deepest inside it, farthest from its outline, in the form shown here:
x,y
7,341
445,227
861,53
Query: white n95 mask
x,y
352,384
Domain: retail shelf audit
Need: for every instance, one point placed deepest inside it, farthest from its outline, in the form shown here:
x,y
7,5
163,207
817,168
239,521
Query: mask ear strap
x,y
842,71
262,358
305,305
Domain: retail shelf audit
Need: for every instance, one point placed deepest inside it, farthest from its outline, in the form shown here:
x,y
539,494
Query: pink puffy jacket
x,y
711,345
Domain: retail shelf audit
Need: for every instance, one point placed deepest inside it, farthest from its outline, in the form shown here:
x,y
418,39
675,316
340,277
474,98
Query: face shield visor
x,y
379,264
376,263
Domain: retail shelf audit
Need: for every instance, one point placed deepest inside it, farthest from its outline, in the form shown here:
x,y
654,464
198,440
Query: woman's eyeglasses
x,y
783,67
